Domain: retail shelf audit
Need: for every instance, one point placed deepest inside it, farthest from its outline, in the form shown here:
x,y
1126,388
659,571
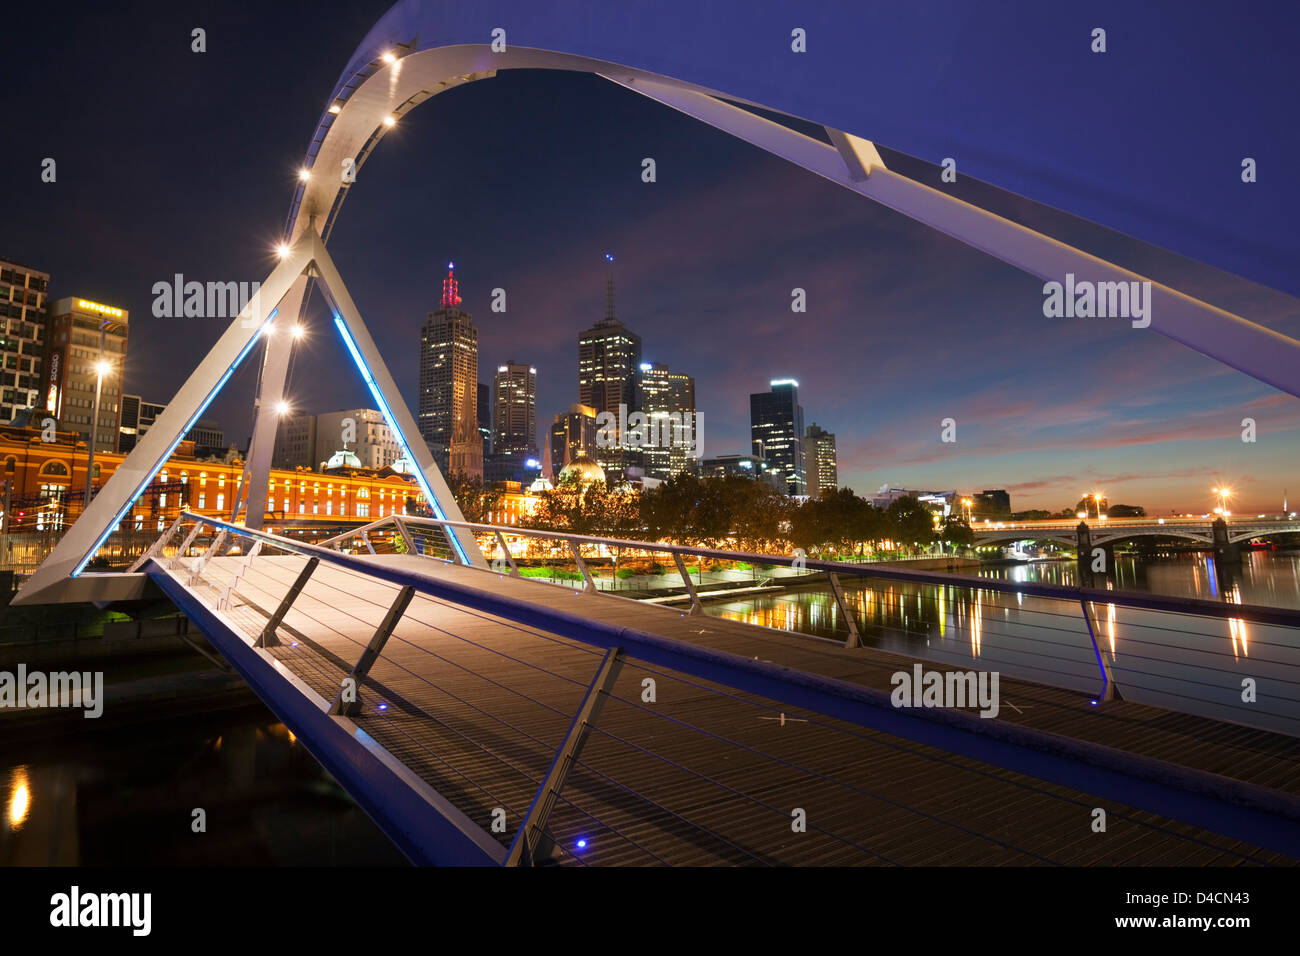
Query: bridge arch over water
x,y
702,59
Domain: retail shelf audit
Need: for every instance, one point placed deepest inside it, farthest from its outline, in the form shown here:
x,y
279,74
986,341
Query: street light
x,y
1223,494
102,368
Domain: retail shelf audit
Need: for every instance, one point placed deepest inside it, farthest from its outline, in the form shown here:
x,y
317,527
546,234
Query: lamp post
x,y
101,369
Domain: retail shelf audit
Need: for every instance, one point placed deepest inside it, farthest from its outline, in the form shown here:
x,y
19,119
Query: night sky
x,y
170,161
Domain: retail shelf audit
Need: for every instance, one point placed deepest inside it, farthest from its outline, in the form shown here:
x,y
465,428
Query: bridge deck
x,y
477,705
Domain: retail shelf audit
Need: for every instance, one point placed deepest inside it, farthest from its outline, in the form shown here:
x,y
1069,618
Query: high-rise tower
x,y
609,361
448,406
515,428
776,432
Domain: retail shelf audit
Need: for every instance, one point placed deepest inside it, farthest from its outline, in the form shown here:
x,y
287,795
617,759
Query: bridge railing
x,y
610,768
1225,660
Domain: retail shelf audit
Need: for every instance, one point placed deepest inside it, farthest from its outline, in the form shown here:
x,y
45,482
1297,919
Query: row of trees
x,y
741,512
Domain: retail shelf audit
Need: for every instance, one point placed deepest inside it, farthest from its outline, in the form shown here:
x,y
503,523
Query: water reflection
x,y
20,797
102,799
1175,661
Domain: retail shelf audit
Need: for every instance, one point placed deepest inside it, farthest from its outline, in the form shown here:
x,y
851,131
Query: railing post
x,y
505,549
405,533
224,603
185,545
365,539
696,606
1109,689
449,533
267,638
371,654
590,587
217,543
531,843
157,546
854,639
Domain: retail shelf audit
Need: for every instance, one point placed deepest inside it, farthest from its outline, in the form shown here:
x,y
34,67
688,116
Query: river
x,y
1180,662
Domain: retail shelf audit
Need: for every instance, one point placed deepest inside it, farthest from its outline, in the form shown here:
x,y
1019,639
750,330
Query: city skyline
x,y
904,328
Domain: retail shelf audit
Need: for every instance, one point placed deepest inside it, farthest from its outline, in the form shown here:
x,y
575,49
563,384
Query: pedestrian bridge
x,y
499,719
1122,529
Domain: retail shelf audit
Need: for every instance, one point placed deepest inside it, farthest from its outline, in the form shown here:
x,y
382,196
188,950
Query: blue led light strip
x,y
112,525
392,424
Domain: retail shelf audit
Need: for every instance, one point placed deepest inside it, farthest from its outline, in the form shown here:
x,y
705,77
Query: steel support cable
x,y
409,617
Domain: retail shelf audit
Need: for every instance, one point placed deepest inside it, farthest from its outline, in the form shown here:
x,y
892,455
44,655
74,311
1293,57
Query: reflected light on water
x,y
1110,627
976,620
20,798
1237,626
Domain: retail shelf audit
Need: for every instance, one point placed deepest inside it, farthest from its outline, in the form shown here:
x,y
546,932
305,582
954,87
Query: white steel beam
x,y
110,506
1258,351
279,348
370,363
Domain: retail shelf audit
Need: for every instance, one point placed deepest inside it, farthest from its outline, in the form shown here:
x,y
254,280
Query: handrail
x,y
1257,815
1255,613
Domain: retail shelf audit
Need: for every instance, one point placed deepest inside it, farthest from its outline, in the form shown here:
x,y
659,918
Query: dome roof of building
x,y
403,466
583,468
343,459
540,483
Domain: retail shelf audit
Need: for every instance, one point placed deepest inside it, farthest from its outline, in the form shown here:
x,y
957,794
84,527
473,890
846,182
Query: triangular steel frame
x,y
59,578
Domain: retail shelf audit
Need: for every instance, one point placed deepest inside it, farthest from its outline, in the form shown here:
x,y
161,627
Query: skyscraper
x,y
609,360
514,427
22,348
668,400
87,352
609,356
823,471
777,434
448,407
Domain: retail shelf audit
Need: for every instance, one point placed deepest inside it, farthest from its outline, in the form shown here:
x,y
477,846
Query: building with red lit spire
x,y
448,403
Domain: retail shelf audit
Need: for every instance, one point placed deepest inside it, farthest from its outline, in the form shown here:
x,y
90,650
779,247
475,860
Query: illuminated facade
x,y
23,344
777,434
514,430
823,470
609,357
668,397
85,336
448,409
47,479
